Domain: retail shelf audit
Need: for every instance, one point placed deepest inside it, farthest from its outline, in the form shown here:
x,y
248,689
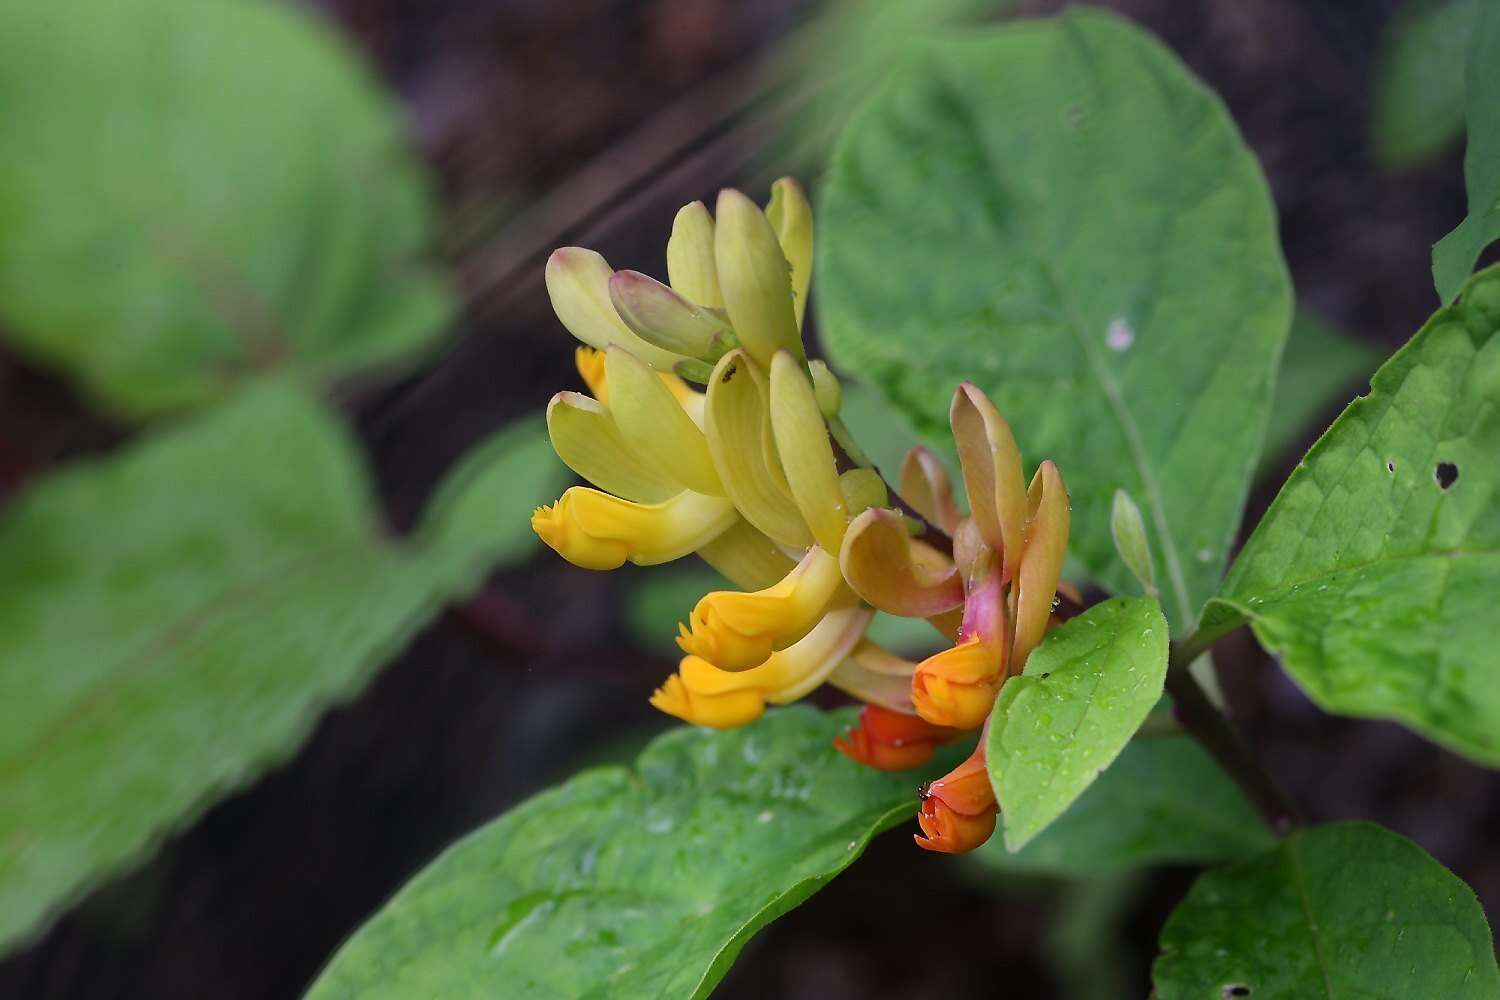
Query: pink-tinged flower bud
x,y
598,531
991,464
893,571
957,686
959,809
736,631
658,315
892,741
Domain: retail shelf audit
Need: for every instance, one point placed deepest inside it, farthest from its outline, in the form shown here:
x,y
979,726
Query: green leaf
x,y
1085,691
631,883
1348,910
1129,532
1370,578
1454,255
1161,801
1060,212
173,619
1418,104
1319,368
192,191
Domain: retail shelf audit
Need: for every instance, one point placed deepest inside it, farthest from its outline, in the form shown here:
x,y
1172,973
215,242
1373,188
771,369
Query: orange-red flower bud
x,y
958,810
892,741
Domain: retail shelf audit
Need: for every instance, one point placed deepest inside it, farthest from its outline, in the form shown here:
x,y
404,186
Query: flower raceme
x,y
757,475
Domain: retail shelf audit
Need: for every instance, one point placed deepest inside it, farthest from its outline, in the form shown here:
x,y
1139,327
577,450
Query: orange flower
x,y
892,741
957,686
958,810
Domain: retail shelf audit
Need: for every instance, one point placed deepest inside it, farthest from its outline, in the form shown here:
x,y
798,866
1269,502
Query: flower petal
x,y
892,741
791,217
737,631
926,486
578,284
598,531
655,425
662,317
991,464
1042,562
877,676
746,557
893,571
586,439
690,257
755,279
737,422
806,452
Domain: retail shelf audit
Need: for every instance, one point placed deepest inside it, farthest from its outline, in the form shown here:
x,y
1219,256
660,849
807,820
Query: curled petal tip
x,y
949,832
895,574
892,741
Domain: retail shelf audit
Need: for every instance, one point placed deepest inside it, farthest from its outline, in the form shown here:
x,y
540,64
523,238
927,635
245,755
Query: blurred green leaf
x,y
1320,366
1058,211
1418,104
1454,255
632,883
192,191
1161,801
1347,910
1085,691
174,617
1372,576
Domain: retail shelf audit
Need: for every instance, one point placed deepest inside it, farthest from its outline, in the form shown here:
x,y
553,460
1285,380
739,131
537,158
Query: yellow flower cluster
x,y
754,474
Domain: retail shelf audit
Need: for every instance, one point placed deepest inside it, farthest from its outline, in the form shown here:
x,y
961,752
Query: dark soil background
x,y
512,101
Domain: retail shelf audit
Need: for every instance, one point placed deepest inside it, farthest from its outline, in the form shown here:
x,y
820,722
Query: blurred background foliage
x,y
272,341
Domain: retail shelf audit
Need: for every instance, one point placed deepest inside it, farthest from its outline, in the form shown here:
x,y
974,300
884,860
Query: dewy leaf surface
x,y
1373,574
631,883
1058,211
1085,691
1343,912
192,191
174,617
1454,255
1162,801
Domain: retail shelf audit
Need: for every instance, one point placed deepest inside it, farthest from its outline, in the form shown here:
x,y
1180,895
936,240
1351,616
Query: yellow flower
x,y
736,631
705,695
595,530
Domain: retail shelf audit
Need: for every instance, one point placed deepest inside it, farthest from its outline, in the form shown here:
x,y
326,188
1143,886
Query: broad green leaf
x,y
1418,104
631,883
1320,367
1373,574
1342,911
1085,691
1161,801
174,617
1454,255
1060,212
193,191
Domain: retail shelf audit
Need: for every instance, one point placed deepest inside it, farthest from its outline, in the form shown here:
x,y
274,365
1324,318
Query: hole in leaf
x,y
1234,990
1390,467
1446,474
1046,675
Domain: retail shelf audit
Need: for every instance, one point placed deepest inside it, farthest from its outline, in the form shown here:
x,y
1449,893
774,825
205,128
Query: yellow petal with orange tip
x,y
754,279
690,256
737,631
578,284
792,219
590,365
586,439
1042,562
991,463
893,571
957,687
705,695
737,423
924,484
598,531
655,425
806,453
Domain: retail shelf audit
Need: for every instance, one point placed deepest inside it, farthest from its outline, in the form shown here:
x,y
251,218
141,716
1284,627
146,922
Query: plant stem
x,y
1206,724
